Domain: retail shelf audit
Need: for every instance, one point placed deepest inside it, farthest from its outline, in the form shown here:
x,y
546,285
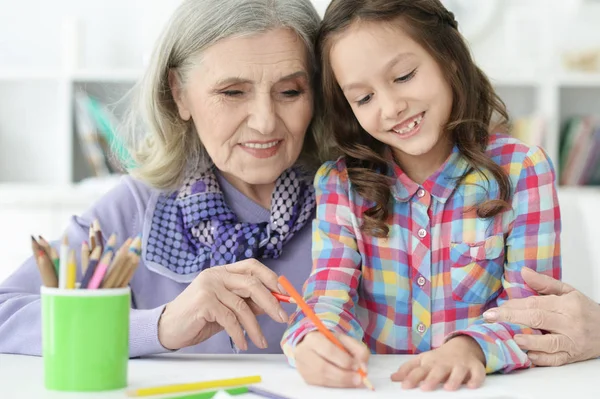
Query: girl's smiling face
x,y
396,90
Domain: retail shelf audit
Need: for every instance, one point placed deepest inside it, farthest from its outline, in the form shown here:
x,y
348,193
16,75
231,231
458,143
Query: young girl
x,y
430,214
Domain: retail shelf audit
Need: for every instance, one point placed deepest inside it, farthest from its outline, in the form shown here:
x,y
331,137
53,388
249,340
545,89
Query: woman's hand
x,y
322,363
457,362
571,318
223,297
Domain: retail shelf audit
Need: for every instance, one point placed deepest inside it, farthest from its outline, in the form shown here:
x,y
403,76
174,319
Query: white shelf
x,y
20,75
580,80
107,75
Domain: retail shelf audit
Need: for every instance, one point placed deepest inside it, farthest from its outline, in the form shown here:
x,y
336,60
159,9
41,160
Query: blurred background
x,y
65,64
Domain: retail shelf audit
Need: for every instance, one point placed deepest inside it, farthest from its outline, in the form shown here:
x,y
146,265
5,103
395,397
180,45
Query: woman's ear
x,y
177,92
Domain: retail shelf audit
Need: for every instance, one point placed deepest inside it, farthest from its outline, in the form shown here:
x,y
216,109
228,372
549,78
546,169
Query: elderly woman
x,y
222,186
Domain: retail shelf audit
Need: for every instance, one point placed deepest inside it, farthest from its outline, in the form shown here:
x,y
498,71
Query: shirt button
x,y
421,193
421,281
421,328
422,233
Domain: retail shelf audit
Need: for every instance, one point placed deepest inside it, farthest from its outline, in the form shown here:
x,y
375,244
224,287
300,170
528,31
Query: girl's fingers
x,y
329,351
436,376
477,377
457,377
357,349
405,369
414,378
317,370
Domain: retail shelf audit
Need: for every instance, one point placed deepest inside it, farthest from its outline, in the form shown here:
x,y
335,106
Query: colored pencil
x,y
100,271
283,298
47,271
265,393
85,257
51,252
89,273
92,238
63,261
110,244
308,312
98,234
131,264
71,271
211,394
194,386
114,269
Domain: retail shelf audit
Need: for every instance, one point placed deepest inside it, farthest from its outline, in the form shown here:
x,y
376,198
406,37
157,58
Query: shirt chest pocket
x,y
477,269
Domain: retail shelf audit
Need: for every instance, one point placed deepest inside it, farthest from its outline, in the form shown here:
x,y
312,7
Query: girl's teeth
x,y
260,146
410,126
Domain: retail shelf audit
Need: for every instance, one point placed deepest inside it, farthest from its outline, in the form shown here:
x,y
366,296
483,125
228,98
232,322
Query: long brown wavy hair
x,y
474,102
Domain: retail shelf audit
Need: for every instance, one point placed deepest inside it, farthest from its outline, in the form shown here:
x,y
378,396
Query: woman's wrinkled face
x,y
251,102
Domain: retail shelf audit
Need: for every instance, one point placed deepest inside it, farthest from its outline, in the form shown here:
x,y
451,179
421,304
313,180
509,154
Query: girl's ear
x,y
178,95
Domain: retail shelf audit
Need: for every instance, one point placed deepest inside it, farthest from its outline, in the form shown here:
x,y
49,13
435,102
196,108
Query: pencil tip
x,y
33,239
65,240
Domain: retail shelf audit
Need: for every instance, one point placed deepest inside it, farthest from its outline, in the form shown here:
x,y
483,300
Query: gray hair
x,y
162,145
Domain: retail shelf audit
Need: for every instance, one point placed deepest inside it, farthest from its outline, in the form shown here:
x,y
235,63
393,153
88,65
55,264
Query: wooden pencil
x,y
63,263
94,259
310,314
92,238
116,264
50,251
110,244
46,269
71,271
100,272
133,260
98,233
85,257
131,267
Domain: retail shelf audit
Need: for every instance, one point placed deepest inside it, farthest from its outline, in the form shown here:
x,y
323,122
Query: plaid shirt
x,y
441,266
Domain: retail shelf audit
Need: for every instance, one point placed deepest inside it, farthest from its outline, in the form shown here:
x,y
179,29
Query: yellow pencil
x,y
194,386
71,271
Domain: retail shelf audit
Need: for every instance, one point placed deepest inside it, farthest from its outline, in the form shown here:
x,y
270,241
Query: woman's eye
x,y
364,100
232,93
406,78
291,93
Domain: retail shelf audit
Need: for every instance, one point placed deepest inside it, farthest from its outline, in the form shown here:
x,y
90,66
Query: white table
x,y
22,377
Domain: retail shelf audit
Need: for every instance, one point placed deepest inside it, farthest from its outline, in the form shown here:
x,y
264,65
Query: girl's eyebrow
x,y
390,64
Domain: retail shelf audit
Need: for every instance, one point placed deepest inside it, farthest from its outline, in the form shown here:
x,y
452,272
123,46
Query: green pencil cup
x,y
85,338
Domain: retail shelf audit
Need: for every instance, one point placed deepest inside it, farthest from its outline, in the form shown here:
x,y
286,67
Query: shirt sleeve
x,y
533,242
20,305
331,288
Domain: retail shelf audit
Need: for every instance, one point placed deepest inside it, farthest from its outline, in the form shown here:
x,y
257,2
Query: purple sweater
x,y
127,211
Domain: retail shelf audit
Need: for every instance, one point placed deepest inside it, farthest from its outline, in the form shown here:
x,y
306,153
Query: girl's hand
x,y
457,362
322,363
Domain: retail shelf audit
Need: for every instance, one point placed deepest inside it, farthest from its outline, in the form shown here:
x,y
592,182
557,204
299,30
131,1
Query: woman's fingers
x,y
248,286
256,269
244,316
222,315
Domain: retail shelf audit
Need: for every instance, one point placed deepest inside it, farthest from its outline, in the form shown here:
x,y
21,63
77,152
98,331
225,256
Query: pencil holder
x,y
85,338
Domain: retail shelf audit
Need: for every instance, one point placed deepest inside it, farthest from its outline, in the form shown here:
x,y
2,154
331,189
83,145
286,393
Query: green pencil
x,y
210,394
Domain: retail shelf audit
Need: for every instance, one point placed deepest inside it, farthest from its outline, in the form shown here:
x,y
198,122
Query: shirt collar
x,y
440,185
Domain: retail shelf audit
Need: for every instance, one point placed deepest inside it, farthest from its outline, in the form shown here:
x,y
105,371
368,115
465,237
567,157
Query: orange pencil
x,y
283,298
308,312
